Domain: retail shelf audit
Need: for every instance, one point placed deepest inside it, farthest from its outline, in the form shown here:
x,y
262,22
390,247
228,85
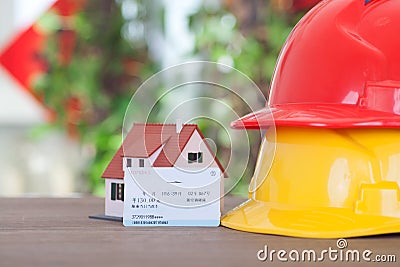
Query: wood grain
x,y
57,232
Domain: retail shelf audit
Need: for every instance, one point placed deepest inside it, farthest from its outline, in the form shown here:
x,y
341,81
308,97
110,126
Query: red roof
x,y
114,168
144,139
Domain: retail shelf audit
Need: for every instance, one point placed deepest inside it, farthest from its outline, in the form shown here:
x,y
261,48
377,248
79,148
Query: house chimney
x,y
179,126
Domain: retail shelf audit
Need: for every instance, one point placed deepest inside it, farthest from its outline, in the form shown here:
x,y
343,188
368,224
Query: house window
x,y
120,192
141,163
117,191
195,157
128,162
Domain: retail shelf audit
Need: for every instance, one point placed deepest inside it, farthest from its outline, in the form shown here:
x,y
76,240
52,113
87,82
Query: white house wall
x,y
113,207
194,145
197,144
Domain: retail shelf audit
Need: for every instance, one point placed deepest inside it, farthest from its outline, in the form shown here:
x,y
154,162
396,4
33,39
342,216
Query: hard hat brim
x,y
272,218
318,115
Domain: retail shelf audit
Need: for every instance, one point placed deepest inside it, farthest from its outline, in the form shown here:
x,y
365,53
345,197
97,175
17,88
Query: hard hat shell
x,y
339,68
324,183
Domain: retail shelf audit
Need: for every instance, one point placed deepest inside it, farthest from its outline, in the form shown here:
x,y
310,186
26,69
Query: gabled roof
x,y
144,139
115,168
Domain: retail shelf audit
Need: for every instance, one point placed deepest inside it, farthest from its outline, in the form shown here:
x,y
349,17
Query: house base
x,y
106,218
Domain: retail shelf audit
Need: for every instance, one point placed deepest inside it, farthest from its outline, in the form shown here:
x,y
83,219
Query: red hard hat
x,y
339,68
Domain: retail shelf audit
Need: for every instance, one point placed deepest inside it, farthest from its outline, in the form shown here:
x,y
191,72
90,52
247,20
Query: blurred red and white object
x,y
20,56
28,167
16,18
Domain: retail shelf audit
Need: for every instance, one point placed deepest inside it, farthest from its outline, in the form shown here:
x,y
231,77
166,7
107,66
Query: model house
x,y
173,146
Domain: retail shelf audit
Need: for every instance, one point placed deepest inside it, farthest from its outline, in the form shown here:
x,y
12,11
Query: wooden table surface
x,y
57,232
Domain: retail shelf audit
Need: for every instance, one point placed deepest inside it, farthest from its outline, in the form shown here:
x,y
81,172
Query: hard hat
x,y
324,183
339,68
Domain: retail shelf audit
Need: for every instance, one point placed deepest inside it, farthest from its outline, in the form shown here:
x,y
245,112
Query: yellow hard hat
x,y
324,183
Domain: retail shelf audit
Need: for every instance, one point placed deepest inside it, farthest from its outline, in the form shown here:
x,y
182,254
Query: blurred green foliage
x,y
89,84
247,35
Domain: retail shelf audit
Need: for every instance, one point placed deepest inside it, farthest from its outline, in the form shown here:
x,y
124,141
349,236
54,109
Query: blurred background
x,y
69,67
